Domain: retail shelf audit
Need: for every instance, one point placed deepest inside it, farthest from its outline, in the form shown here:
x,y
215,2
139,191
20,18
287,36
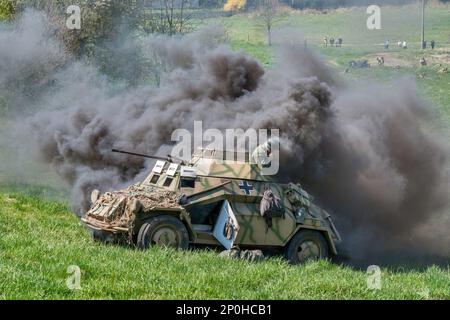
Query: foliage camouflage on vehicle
x,y
217,202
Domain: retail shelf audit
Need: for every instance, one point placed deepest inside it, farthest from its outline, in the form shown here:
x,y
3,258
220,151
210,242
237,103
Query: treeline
x,y
314,4
106,20
330,4
110,32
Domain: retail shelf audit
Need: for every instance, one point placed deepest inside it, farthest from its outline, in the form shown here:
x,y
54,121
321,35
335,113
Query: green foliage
x,y
6,9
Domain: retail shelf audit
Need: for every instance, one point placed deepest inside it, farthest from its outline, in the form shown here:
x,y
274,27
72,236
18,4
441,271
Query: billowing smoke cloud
x,y
28,59
383,171
365,152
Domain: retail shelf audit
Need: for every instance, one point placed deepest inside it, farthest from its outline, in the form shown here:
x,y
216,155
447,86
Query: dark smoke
x,y
366,152
383,170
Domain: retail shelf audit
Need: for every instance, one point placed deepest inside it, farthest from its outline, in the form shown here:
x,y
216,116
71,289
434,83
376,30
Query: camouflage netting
x,y
118,209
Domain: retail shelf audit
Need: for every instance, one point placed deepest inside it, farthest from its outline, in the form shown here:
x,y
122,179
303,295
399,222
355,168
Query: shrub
x,y
6,9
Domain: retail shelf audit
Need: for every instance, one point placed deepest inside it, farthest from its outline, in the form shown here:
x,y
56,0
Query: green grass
x,y
39,240
246,32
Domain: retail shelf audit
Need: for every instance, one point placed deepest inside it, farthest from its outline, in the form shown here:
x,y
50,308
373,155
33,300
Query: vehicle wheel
x,y
164,231
306,245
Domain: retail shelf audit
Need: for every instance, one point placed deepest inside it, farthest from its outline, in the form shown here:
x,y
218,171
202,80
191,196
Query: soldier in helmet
x,y
262,154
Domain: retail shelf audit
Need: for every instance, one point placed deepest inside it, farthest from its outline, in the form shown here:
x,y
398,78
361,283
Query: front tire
x,y
163,231
307,245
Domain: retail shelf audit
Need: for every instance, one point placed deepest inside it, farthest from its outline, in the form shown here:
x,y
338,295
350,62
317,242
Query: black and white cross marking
x,y
246,187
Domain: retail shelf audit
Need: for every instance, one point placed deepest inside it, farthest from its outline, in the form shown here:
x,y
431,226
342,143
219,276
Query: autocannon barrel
x,y
169,158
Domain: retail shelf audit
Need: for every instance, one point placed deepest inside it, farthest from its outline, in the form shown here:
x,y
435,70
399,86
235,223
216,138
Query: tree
x,y
101,19
268,11
175,18
234,5
168,17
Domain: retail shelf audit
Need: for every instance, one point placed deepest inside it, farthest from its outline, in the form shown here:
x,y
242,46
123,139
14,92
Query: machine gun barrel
x,y
169,158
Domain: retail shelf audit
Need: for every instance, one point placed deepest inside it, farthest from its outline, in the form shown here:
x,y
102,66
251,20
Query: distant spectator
x,y
404,45
332,42
433,44
443,70
325,41
380,61
340,42
423,62
386,45
400,44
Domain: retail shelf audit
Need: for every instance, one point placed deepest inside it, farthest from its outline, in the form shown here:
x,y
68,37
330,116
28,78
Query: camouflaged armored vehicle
x,y
213,202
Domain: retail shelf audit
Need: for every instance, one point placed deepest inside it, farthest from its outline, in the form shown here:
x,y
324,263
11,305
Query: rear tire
x,y
307,245
163,231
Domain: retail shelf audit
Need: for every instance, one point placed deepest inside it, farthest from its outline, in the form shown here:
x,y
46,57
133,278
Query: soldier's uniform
x,y
261,155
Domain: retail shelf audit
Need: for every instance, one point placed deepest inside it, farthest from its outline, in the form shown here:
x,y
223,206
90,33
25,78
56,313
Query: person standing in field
x,y
423,62
433,44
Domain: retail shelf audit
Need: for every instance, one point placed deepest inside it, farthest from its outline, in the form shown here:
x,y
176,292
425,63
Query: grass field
x,y
40,238
246,32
